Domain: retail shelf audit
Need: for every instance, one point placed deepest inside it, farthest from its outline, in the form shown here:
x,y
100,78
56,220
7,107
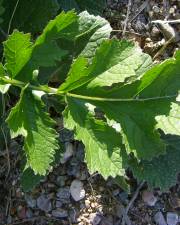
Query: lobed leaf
x,y
51,47
17,52
28,118
103,151
135,106
162,171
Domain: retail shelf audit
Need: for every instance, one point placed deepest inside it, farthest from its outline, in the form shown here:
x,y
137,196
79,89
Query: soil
x,y
105,202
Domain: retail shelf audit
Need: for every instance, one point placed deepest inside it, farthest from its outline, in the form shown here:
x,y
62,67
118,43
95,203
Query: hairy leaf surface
x,y
17,52
87,39
161,171
117,68
65,36
136,104
170,124
103,151
117,105
28,118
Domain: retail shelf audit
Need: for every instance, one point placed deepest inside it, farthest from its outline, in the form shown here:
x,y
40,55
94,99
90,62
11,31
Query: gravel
x,y
77,190
44,203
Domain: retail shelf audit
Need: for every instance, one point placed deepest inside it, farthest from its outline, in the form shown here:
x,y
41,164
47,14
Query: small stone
x,y
115,192
77,190
87,203
174,202
64,194
30,201
95,218
148,39
61,180
51,186
159,219
156,9
149,198
101,189
68,153
155,32
60,213
44,203
172,10
172,218
93,205
73,170
151,14
21,211
59,204
19,194
29,213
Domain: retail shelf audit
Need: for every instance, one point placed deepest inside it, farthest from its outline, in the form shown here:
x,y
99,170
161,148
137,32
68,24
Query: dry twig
x,y
125,219
127,17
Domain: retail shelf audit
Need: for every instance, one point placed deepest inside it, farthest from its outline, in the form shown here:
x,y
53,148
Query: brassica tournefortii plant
x,y
139,126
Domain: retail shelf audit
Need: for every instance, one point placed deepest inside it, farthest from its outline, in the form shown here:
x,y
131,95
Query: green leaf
x,y
123,60
87,38
161,171
28,118
45,51
17,52
94,7
137,120
135,105
102,143
170,124
64,37
90,35
29,180
30,15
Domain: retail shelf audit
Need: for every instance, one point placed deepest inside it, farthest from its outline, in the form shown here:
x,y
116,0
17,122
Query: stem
x,y
117,99
50,90
21,84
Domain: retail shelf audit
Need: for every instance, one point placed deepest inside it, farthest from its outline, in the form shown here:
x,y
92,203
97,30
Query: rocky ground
x,y
69,194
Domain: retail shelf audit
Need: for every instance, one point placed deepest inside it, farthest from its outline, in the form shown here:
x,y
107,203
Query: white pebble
x,y
172,218
159,219
149,198
77,190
